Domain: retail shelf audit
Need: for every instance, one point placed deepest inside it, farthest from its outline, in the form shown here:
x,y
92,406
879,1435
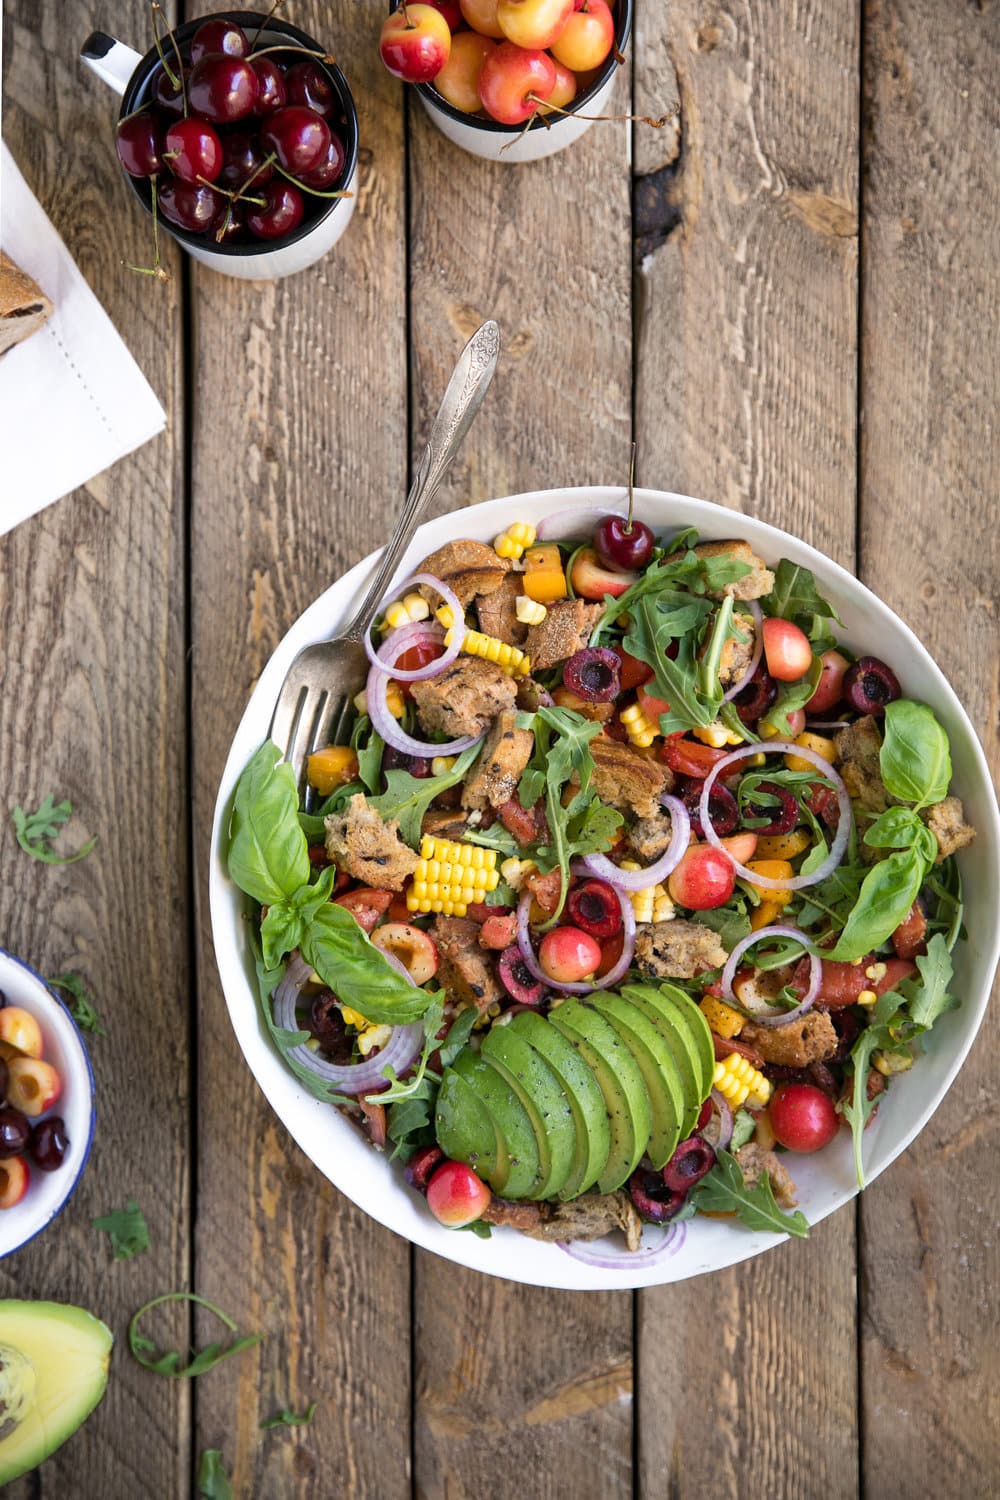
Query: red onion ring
x,y
780,1017
638,880
402,1048
394,641
575,521
828,726
844,824
385,725
589,1254
758,648
580,986
725,1119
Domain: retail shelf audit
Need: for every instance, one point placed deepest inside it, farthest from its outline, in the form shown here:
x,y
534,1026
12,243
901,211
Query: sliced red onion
x,y
400,1051
828,726
777,1017
385,725
581,986
844,824
758,647
638,880
402,639
576,521
591,1254
725,1120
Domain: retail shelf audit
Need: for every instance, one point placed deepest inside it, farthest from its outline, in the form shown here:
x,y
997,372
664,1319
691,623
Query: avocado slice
x,y
464,1126
699,1028
659,1071
546,1101
621,1082
590,1113
670,1024
53,1370
517,1168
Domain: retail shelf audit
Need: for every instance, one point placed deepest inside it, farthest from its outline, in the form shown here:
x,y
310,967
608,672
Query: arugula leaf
x,y
479,1228
79,1003
730,922
663,581
496,838
915,759
421,1084
268,853
790,697
286,1418
213,1481
350,964
127,1229
369,754
170,1363
408,797
724,1190
313,824
858,1109
408,1125
35,831
886,895
677,680
927,998
795,595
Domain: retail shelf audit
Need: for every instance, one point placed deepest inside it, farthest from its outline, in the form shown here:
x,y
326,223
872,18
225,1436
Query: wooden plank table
x,y
789,301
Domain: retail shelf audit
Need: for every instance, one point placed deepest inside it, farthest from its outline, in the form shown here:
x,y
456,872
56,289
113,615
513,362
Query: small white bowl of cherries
x,y
46,1104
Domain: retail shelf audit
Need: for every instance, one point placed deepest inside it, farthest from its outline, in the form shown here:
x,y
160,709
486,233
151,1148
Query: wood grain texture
x,y
88,584
746,395
505,1370
293,381
929,479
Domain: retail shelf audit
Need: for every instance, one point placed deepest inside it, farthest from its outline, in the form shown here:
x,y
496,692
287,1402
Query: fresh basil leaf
x,y
170,1363
795,594
79,1004
407,797
286,1418
915,759
280,932
927,998
213,1481
886,895
127,1230
344,958
896,828
458,1034
792,696
408,1126
724,1190
268,853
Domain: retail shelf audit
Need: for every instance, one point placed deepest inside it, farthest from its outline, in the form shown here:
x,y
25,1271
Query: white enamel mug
x,y
130,75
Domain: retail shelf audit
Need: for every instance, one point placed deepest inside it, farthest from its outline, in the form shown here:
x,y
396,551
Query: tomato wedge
x,y
690,757
632,672
366,905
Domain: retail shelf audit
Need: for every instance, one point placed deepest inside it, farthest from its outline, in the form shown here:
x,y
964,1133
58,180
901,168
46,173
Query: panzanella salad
x,y
631,883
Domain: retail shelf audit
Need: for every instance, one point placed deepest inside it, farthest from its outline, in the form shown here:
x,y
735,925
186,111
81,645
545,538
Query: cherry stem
x,y
315,192
276,6
233,196
627,528
326,57
410,26
156,11
155,270
656,122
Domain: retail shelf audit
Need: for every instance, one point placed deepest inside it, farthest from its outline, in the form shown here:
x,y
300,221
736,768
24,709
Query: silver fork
x,y
316,699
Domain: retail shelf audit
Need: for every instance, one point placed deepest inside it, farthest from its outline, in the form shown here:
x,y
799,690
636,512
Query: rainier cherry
x,y
513,81
830,688
458,80
704,879
415,43
587,37
481,15
533,23
568,954
787,651
456,1196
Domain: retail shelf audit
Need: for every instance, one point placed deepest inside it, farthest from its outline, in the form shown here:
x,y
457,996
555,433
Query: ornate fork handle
x,y
468,385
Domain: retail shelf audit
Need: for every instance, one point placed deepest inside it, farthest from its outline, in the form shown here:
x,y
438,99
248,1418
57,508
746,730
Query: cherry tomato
x,y
418,656
367,905
690,757
842,983
546,889
822,802
802,1117
525,824
652,706
633,672
909,939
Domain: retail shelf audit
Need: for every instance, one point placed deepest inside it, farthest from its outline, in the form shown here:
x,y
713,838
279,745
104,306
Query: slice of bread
x,y
24,307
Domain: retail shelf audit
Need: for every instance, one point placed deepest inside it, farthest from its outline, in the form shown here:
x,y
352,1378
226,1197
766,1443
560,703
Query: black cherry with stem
x,y
156,12
240,196
156,270
624,544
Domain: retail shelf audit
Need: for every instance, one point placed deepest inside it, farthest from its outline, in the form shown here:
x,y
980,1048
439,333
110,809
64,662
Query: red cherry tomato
x,y
802,1117
418,656
633,672
842,983
690,757
910,936
787,651
652,706
367,905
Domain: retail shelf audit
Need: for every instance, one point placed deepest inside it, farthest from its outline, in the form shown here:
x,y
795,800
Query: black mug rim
x,y
623,30
248,18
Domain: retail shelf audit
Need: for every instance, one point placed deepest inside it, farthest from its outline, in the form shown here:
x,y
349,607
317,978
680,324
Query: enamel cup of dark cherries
x,y
239,136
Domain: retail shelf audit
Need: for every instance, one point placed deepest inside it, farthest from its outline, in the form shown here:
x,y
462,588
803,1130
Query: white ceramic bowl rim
x,y
49,1192
825,1183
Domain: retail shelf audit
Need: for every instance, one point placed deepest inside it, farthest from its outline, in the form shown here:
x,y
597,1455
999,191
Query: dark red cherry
x,y
190,205
298,136
688,1165
308,84
870,684
282,213
140,144
169,98
623,544
49,1144
654,1201
219,35
272,93
593,674
15,1131
223,89
242,156
326,174
594,907
192,150
232,228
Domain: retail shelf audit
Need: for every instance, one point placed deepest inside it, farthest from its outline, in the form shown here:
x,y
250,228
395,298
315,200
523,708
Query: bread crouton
x,y
809,1039
753,585
737,655
465,969
858,749
494,775
677,949
463,699
368,846
625,779
650,837
588,1218
497,611
565,629
468,568
754,1161
946,820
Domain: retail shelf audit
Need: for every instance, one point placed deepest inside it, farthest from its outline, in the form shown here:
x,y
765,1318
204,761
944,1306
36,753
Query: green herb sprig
x,y
127,1229
36,831
170,1363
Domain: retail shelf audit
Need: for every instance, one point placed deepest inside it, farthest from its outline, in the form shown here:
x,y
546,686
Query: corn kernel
x,y
442,764
663,908
327,769
529,611
640,729
354,1018
489,648
544,575
782,845
394,699
724,1021
817,742
407,611
717,735
876,972
889,1063
512,542
374,1037
867,998
739,1081
514,870
451,876
771,869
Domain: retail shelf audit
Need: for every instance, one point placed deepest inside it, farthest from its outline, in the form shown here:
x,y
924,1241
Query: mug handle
x,y
112,61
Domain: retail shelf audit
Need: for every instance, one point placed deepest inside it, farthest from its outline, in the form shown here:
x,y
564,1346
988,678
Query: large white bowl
x,y
826,1181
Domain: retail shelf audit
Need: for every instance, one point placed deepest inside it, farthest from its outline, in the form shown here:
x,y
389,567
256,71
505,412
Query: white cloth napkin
x,y
72,399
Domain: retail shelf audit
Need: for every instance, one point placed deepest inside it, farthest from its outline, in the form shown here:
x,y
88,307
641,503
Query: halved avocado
x,y
656,1063
464,1126
699,1028
53,1370
517,1153
543,1096
621,1082
590,1113
670,1025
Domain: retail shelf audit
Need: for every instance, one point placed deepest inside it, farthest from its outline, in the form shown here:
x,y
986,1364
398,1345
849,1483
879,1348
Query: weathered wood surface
x,y
930,475
746,291
92,584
